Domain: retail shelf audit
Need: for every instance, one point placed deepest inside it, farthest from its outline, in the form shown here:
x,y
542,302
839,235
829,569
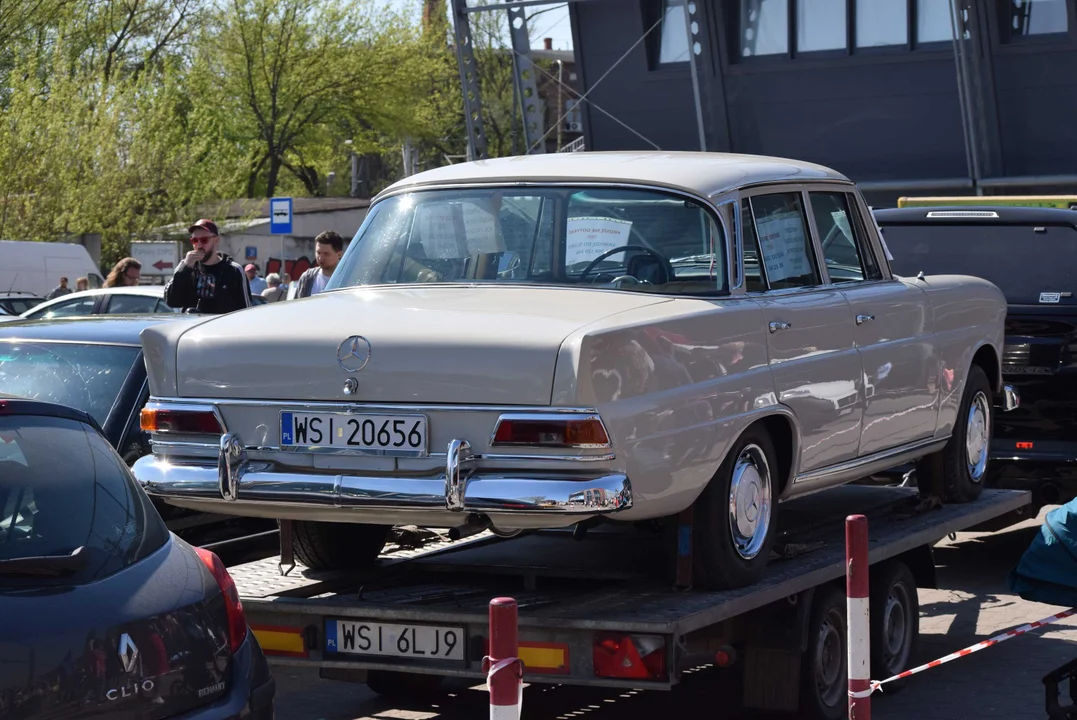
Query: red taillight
x,y
633,657
582,432
237,620
161,420
1024,446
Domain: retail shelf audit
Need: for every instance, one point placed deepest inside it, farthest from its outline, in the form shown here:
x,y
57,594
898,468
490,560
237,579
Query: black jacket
x,y
218,288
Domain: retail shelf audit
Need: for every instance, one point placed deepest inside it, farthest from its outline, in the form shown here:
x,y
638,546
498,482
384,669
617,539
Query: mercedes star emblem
x,y
353,353
128,653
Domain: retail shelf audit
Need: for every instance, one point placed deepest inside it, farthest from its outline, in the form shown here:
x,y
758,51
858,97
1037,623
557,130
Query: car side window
x,y
754,281
785,247
847,256
120,304
81,306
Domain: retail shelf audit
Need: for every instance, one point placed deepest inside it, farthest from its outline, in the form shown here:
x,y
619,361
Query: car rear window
x,y
83,376
62,487
1023,262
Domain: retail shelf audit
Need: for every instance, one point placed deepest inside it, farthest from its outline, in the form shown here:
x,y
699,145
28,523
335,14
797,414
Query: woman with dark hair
x,y
125,273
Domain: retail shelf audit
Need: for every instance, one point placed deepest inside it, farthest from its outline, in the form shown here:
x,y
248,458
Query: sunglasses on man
x,y
202,240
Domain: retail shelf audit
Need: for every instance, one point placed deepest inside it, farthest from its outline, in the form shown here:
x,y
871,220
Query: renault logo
x,y
353,353
128,653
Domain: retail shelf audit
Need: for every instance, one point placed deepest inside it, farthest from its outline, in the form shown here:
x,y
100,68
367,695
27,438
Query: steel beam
x,y
524,77
469,81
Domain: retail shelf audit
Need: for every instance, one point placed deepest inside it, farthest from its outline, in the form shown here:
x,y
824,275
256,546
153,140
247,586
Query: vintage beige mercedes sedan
x,y
537,341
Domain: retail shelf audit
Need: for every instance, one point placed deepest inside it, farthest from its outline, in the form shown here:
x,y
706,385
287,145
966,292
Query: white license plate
x,y
411,641
381,434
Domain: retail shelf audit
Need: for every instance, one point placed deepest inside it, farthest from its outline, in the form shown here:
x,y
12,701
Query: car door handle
x,y
861,319
777,325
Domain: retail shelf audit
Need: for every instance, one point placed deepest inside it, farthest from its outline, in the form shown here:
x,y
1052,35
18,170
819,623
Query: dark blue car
x,y
103,612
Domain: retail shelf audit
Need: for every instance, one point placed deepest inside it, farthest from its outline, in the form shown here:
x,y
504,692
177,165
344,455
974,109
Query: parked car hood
x,y
427,344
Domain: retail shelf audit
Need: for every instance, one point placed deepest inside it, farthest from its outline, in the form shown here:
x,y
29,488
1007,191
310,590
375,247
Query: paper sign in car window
x,y
782,243
436,230
842,221
589,237
480,227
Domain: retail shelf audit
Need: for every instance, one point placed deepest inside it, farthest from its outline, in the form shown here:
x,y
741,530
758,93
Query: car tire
x,y
337,546
895,621
959,470
824,668
731,540
402,686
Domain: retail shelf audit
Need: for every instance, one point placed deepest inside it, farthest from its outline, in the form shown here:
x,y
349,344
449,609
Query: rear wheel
x,y
825,675
895,620
959,470
734,516
337,546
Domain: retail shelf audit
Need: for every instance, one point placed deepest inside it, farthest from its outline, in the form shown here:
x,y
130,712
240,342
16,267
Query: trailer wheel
x,y
895,620
824,669
403,686
959,470
337,546
734,518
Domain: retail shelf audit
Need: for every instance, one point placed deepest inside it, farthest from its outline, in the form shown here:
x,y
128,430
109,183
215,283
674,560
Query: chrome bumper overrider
x,y
1011,399
238,479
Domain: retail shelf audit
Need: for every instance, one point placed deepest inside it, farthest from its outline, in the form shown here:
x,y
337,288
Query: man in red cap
x,y
207,281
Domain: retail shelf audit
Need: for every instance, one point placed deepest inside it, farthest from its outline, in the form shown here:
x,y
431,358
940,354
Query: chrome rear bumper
x,y
236,479
1011,399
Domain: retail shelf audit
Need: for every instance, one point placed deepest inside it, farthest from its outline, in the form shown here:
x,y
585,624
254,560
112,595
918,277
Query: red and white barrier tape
x,y
877,684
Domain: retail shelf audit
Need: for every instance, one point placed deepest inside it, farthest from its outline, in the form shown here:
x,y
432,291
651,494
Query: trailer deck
x,y
615,580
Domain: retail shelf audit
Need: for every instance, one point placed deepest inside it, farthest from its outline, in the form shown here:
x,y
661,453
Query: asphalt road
x,y
971,604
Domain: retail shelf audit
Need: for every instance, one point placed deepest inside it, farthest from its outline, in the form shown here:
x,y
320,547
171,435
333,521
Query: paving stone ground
x,y
971,604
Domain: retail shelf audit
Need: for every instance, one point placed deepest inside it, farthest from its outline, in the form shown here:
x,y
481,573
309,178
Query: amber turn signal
x,y
160,420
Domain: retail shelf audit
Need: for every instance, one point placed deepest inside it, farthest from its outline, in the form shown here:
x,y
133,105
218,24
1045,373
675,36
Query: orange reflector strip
x,y
275,640
1024,446
544,658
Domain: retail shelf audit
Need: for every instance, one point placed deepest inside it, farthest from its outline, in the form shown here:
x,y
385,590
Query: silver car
x,y
534,342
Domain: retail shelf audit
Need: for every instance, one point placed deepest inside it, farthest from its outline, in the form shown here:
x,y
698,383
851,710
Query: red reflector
x,y
237,620
638,657
1024,446
551,432
180,421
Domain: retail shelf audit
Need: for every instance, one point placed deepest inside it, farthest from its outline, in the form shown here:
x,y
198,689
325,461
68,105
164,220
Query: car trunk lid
x,y
410,344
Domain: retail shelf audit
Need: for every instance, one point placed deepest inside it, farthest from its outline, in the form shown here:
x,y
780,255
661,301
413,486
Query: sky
x,y
551,22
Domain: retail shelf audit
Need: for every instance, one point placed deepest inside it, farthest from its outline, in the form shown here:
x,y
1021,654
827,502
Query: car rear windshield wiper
x,y
45,565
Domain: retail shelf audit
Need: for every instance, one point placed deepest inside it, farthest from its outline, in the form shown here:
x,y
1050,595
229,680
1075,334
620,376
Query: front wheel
x,y
337,546
960,468
734,516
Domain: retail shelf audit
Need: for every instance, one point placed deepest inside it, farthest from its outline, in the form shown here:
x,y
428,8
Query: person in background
x,y
286,283
273,291
257,284
83,283
125,273
328,249
207,281
60,290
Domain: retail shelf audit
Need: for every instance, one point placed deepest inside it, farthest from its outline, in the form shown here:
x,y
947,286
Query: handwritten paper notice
x,y
480,227
784,246
842,221
436,230
589,237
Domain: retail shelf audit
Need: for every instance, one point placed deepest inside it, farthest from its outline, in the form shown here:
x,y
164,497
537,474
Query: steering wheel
x,y
613,251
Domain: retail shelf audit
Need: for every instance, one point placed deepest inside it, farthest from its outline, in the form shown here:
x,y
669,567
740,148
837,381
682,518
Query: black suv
x,y
1031,255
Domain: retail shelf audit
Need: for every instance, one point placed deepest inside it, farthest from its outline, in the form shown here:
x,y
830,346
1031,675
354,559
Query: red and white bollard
x,y
504,670
858,614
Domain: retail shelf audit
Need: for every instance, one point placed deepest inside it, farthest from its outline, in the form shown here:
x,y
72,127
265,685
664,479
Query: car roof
x,y
91,329
699,173
976,215
139,290
14,405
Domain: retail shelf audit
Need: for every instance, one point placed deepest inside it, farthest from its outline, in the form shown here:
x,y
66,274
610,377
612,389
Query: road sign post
x,y
280,223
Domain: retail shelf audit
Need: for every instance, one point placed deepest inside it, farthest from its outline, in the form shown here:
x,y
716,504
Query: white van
x,y
36,267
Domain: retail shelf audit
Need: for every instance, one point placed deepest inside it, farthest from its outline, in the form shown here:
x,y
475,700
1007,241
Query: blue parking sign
x,y
280,216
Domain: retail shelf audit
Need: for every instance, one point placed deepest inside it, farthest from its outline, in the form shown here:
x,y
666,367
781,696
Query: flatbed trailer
x,y
600,610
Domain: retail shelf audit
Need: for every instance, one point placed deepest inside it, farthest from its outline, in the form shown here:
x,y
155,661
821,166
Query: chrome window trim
x,y
359,407
68,342
524,416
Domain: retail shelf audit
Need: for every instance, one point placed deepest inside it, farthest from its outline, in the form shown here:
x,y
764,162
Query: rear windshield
x,y
85,377
62,487
1023,263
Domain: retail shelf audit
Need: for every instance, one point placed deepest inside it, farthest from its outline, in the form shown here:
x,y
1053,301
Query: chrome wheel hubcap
x,y
978,436
749,502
